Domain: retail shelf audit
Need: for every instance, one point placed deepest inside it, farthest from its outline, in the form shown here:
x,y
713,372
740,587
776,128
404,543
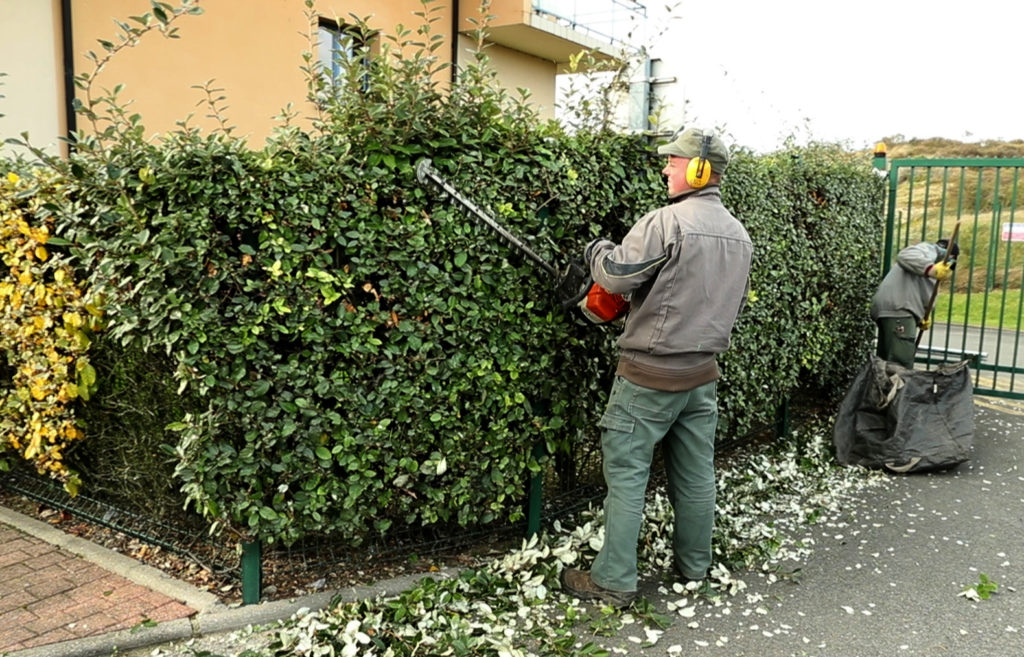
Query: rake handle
x,y
935,290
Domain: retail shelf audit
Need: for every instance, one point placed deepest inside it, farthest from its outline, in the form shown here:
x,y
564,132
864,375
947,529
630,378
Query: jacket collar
x,y
694,193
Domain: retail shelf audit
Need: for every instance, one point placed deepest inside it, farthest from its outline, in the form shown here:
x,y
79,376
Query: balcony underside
x,y
546,39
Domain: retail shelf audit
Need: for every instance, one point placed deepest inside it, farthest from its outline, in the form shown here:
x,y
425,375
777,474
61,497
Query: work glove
x,y
924,324
573,283
940,271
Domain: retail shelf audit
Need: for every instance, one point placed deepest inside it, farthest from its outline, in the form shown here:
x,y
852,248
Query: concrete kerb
x,y
212,617
214,621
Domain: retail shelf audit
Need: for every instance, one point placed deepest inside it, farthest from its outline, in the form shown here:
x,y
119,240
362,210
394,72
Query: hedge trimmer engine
x,y
573,284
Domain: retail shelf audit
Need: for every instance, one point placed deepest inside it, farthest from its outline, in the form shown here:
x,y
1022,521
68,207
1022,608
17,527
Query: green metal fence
x,y
978,313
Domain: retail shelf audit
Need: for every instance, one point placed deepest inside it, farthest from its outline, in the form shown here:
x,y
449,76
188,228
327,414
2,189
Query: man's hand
x,y
924,324
940,271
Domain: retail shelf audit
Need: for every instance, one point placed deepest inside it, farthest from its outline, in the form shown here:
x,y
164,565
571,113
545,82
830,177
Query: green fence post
x,y
880,163
782,419
536,495
993,245
252,572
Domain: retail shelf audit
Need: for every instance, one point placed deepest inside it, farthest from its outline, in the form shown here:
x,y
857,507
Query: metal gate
x,y
978,312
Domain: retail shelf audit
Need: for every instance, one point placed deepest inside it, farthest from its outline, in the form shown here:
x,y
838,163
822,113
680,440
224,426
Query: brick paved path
x,y
49,595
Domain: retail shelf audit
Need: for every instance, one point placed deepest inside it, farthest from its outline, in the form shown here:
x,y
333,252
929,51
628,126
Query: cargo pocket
x,y
617,439
614,422
616,416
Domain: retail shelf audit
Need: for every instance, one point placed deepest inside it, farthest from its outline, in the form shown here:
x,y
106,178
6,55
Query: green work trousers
x,y
636,420
897,340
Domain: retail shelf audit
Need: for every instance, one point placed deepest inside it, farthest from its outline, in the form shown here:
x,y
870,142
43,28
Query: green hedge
x,y
815,216
363,356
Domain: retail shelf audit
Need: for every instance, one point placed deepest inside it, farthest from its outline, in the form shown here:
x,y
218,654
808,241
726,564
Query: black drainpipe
x,y
69,70
455,40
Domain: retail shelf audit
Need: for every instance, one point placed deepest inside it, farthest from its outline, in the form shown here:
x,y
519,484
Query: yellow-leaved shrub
x,y
46,320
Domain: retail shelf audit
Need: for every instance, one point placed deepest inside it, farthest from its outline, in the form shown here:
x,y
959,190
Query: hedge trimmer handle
x,y
573,284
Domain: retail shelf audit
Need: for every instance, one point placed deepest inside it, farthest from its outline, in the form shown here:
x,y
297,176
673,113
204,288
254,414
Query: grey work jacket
x,y
685,270
907,288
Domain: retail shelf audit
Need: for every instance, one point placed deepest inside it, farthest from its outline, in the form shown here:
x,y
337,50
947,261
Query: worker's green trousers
x,y
636,420
897,340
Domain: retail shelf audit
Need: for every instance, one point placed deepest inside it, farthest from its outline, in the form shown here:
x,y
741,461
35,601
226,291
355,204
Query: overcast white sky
x,y
853,71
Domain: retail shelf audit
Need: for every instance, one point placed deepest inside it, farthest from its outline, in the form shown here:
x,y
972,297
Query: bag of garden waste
x,y
906,420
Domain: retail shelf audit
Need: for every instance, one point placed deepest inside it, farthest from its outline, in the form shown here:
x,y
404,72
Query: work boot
x,y
689,583
580,584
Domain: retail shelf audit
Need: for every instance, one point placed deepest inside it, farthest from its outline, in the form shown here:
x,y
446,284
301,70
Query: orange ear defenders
x,y
698,171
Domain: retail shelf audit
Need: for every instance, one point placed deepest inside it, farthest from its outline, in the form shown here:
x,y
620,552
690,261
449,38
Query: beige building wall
x,y
32,90
518,70
254,56
250,51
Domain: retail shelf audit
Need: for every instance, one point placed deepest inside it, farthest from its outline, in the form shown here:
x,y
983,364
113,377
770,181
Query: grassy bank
x,y
930,202
997,308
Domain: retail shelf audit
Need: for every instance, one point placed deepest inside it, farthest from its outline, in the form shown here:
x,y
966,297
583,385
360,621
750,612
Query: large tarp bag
x,y
906,420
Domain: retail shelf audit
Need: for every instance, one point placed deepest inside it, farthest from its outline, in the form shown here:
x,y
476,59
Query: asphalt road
x,y
1003,349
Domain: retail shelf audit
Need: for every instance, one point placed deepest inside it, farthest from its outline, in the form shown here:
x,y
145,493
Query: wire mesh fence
x,y
186,539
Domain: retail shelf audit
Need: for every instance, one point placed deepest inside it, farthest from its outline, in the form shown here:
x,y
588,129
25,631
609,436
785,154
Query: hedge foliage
x,y
363,355
815,216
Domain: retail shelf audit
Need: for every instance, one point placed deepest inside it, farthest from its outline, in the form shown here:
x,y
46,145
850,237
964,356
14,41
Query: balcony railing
x,y
619,22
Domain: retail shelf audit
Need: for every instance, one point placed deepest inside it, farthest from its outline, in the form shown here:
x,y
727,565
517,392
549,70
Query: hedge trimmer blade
x,y
426,173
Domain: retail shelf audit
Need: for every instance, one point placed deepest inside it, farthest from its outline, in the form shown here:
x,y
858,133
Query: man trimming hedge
x,y
684,268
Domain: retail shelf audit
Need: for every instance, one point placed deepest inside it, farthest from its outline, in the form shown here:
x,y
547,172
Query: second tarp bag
x,y
906,420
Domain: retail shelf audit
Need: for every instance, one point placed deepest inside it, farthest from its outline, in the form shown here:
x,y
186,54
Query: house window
x,y
339,48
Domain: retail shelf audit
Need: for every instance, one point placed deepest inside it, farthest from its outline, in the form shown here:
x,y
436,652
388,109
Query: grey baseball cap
x,y
687,144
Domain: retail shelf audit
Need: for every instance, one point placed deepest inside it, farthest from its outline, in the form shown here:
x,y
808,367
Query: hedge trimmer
x,y
573,284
